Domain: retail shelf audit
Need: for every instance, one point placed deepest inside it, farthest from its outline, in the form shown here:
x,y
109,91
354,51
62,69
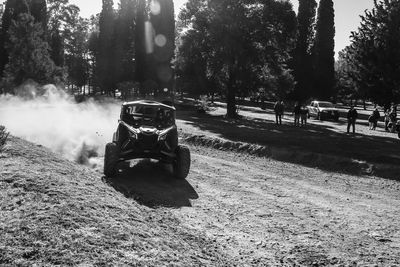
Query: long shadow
x,y
152,184
322,139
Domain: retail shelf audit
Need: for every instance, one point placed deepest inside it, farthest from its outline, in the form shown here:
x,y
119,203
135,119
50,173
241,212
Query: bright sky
x,y
347,14
347,18
94,6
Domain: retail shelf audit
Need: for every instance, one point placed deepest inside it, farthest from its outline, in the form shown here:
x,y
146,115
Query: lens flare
x,y
155,7
160,40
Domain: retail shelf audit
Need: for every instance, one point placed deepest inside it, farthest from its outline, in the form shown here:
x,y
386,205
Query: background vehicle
x,y
323,110
147,129
398,128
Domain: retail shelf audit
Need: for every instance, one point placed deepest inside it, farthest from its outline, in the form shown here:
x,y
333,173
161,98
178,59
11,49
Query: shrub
x,y
3,137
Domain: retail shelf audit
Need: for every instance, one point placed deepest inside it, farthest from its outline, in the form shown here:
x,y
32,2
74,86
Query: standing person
x,y
394,109
304,114
374,119
371,119
351,119
297,111
279,110
393,118
387,119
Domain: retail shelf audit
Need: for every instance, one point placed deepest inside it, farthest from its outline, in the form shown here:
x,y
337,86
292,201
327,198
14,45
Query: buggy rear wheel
x,y
182,163
111,158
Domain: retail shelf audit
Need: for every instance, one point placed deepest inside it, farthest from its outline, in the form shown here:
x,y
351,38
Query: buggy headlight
x,y
162,135
133,132
133,135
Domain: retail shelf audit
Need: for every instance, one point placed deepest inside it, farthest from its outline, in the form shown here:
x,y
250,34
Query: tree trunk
x,y
231,98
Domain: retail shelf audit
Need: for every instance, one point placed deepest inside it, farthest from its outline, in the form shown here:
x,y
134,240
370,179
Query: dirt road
x,y
233,208
264,212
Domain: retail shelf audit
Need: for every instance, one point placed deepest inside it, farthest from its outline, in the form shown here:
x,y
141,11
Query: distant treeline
x,y
48,42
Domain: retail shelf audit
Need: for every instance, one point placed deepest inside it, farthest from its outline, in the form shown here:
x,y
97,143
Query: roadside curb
x,y
297,156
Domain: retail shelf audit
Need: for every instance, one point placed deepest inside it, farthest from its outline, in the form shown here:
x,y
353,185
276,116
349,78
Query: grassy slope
x,y
55,212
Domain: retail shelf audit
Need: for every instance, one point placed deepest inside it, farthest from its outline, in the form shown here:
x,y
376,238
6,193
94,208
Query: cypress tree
x,y
324,54
140,45
29,53
57,48
105,53
125,41
162,19
38,9
13,8
302,52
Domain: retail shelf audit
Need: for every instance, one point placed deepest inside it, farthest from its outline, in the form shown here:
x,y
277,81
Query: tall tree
x,y
38,9
124,41
346,87
237,46
93,52
61,14
373,55
324,51
57,48
29,53
194,74
105,47
162,19
76,46
302,59
13,8
140,45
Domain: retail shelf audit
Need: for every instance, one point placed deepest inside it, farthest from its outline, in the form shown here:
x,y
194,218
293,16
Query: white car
x,y
323,110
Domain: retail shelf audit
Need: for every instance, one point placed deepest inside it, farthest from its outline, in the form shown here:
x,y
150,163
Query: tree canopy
x,y
373,56
29,53
324,51
302,55
236,46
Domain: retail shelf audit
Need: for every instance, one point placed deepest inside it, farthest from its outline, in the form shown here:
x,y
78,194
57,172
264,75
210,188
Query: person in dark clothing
x,y
373,119
297,112
351,119
279,109
387,119
304,115
393,117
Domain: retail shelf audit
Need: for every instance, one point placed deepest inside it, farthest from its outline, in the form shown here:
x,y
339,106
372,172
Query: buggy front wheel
x,y
111,158
182,163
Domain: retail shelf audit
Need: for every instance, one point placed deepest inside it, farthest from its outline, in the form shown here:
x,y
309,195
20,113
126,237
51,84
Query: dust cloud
x,y
50,117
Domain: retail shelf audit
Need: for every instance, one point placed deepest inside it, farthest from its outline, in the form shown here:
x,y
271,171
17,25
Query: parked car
x,y
323,110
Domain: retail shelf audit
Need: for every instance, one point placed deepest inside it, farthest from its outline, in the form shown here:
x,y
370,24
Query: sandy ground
x,y
263,212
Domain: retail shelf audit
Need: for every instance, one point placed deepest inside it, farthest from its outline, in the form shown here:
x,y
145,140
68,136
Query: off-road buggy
x,y
147,130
